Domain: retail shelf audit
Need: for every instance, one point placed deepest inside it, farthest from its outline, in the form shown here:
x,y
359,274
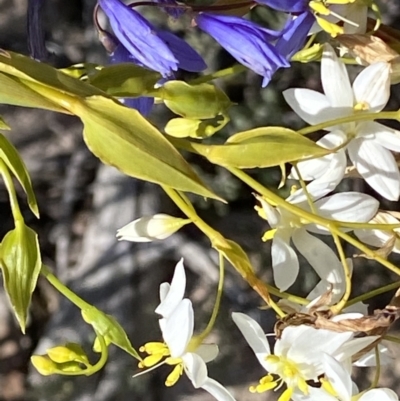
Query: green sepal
x,y
12,159
125,80
20,263
199,102
107,327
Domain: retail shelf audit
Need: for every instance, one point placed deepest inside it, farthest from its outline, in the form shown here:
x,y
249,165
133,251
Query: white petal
x,y
271,213
338,377
369,359
174,296
348,206
195,369
353,346
335,79
285,264
218,391
253,334
377,166
164,290
319,255
208,352
387,137
372,86
313,107
289,335
379,394
178,328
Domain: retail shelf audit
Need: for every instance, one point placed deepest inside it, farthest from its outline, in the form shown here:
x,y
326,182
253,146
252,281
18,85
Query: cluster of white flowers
x,y
308,363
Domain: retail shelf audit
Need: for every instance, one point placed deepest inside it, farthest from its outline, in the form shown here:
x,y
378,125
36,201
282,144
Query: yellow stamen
x,y
286,395
174,376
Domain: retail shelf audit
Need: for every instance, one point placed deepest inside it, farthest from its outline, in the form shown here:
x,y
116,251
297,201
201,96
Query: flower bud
x,y
44,365
150,228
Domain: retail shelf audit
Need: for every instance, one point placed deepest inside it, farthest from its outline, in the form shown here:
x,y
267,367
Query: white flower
x,y
298,354
370,143
338,386
346,206
180,348
380,238
150,228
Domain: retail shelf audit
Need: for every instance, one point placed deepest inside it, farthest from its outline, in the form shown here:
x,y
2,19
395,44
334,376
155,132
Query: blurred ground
x,y
83,204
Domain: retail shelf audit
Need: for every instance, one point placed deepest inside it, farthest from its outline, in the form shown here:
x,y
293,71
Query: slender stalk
x,y
374,293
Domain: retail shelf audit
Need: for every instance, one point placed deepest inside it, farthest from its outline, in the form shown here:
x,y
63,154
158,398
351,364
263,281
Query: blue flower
x,y
139,37
246,41
174,12
289,6
36,35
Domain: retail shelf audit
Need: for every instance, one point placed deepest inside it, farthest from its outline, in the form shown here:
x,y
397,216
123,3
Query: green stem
x,y
392,339
387,115
374,293
16,211
304,188
60,287
236,69
217,304
347,275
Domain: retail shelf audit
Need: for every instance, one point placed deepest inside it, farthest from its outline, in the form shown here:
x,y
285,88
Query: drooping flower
x,y
297,359
338,386
369,144
246,41
180,348
286,227
150,228
158,50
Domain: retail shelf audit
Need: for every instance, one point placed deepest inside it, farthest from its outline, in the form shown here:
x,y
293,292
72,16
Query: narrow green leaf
x,y
106,326
124,80
20,263
11,157
260,147
123,138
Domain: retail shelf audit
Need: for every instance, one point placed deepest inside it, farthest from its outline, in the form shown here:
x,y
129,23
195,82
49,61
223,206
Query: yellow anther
x,y
327,386
319,7
154,348
286,395
173,361
150,360
268,235
329,27
174,376
266,383
361,106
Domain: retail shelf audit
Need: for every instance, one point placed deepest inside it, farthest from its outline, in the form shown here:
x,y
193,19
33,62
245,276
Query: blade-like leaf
x,y
20,263
257,148
14,162
123,138
3,124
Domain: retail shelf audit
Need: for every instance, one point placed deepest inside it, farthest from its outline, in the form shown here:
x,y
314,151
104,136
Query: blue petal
x,y
245,41
295,34
174,12
142,104
139,37
187,57
289,6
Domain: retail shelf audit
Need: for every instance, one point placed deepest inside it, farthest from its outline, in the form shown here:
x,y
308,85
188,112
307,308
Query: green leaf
x,y
3,124
125,80
14,162
16,93
199,102
107,327
20,263
260,147
123,138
